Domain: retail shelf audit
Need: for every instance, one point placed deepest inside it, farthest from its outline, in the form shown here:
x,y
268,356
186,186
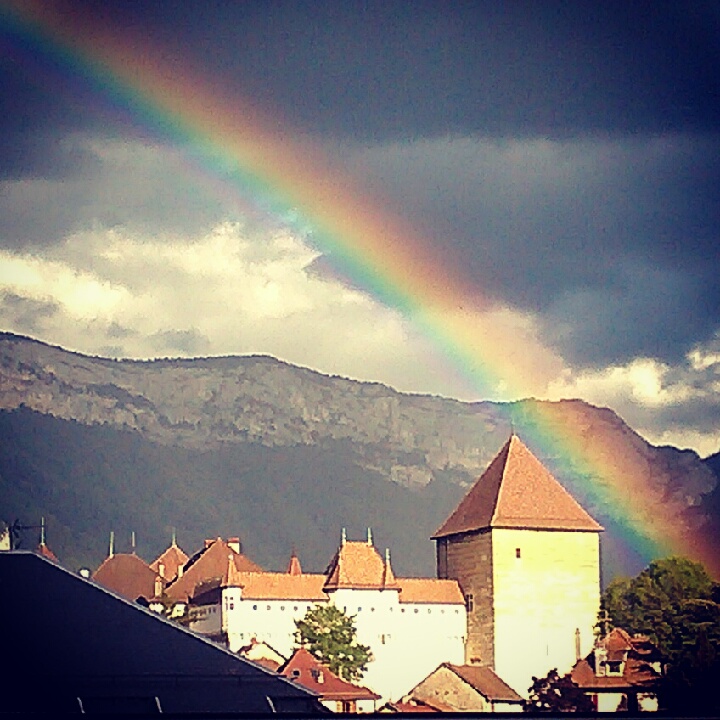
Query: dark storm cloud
x,y
389,69
565,153
612,241
379,70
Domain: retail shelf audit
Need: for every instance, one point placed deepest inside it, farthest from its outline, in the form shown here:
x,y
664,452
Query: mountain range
x,y
285,457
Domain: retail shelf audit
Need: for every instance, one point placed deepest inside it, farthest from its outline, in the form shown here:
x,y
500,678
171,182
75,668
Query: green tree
x,y
330,636
554,693
675,602
662,603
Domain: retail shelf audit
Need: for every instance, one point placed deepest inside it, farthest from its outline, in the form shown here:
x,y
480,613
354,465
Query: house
x,y
333,692
463,688
621,673
410,624
73,646
527,558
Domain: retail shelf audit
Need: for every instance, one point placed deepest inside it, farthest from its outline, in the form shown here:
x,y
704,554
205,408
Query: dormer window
x,y
614,667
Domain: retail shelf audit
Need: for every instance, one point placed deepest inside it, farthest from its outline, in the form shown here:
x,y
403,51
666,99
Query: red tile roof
x,y
127,575
484,680
430,590
517,491
307,587
172,559
45,551
636,652
211,562
359,565
312,674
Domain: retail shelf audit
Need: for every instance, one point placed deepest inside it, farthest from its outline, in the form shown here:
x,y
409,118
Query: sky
x,y
553,168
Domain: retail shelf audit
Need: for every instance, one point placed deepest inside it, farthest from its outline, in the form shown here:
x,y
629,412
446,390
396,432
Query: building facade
x,y
527,558
410,624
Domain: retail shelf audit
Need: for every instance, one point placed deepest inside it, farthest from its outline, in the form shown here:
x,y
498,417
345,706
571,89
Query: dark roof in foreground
x,y
517,491
72,645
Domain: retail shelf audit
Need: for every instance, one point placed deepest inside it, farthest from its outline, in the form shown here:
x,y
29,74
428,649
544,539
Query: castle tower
x,y
527,558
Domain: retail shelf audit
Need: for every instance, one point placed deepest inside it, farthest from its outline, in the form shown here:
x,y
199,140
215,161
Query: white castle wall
x,y
408,640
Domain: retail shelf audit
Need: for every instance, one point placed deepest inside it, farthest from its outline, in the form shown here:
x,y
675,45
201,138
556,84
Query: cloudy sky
x,y
559,160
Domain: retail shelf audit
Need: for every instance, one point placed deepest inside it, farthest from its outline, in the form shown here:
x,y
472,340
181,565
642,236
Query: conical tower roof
x,y
517,491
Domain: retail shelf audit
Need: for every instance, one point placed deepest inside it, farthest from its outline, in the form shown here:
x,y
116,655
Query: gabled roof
x,y
312,674
211,562
358,565
127,575
72,638
517,491
171,559
636,654
484,680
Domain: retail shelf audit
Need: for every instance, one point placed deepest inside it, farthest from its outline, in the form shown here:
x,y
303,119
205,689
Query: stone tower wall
x,y
468,558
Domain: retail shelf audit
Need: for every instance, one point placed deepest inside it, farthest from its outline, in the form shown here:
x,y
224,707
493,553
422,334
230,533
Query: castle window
x,y
269,607
469,602
254,607
517,553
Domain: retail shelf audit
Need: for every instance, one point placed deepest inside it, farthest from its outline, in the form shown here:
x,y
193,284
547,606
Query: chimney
x,y
181,569
161,570
158,586
369,537
234,544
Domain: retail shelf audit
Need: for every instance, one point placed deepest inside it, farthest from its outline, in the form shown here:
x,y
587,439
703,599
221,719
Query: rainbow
x,y
292,181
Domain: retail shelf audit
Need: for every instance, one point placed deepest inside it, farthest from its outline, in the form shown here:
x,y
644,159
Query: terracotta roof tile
x,y
638,654
430,590
307,587
172,559
486,682
46,552
127,575
308,672
517,491
358,565
211,562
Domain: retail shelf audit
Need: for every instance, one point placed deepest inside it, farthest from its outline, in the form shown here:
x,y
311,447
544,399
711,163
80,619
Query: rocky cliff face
x,y
416,442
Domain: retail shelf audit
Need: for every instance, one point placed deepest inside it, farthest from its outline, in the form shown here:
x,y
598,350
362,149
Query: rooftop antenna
x,y
369,537
111,549
42,530
174,537
343,537
132,541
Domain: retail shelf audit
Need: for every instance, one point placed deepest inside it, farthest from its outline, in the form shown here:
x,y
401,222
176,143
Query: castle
x,y
517,588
